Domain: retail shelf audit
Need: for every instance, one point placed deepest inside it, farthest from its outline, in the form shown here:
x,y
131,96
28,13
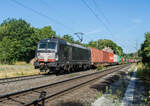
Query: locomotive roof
x,y
50,39
63,42
76,45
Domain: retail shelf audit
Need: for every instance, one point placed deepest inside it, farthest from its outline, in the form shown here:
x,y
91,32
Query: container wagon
x,y
111,58
96,56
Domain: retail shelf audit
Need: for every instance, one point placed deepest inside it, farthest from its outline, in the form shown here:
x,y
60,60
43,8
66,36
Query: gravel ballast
x,y
87,94
26,84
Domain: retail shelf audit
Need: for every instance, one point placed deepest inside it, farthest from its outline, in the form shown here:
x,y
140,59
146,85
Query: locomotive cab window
x,y
42,46
51,45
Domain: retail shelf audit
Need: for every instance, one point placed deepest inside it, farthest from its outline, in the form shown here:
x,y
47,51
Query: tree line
x,y
18,41
144,52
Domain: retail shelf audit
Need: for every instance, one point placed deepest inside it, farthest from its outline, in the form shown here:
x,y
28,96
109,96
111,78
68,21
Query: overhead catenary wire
x,y
101,12
97,17
41,14
48,6
45,3
106,20
100,20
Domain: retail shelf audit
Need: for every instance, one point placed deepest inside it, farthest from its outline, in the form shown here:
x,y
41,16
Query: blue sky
x,y
123,21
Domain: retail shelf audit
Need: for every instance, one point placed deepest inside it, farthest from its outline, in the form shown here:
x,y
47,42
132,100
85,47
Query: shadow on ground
x,y
102,85
69,103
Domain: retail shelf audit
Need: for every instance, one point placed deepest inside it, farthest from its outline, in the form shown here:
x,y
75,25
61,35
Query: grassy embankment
x,y
19,69
116,91
144,74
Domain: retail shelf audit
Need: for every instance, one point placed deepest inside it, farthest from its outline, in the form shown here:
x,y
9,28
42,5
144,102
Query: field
x,y
16,70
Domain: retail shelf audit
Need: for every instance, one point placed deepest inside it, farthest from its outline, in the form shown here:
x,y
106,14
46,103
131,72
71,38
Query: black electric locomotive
x,y
56,54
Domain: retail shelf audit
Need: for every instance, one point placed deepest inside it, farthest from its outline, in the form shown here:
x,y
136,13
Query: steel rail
x,y
15,79
98,74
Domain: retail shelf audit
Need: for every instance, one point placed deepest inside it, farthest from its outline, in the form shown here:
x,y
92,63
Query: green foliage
x,y
99,94
145,50
147,100
18,40
8,53
68,38
139,53
106,89
100,44
100,67
144,74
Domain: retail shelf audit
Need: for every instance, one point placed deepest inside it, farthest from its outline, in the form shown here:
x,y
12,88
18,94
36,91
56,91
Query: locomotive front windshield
x,y
42,46
51,45
47,45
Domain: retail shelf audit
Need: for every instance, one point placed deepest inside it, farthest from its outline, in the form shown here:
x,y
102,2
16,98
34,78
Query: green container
x,y
123,59
118,58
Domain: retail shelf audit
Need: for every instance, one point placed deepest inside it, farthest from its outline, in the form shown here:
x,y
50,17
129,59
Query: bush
x,y
100,67
144,74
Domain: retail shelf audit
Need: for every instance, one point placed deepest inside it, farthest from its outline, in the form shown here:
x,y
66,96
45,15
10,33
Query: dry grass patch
x,y
7,71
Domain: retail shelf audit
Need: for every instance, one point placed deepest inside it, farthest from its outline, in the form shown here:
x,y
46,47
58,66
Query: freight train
x,y
54,54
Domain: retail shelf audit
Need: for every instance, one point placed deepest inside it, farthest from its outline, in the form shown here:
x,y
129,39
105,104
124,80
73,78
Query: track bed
x,y
31,96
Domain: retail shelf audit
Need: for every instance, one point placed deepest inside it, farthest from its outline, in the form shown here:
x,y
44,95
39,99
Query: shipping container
x,y
125,59
111,57
118,59
128,60
105,57
131,60
96,55
122,59
115,58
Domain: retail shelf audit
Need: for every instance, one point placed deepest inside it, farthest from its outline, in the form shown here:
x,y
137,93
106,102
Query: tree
x,y
100,44
22,39
145,50
68,38
47,32
8,53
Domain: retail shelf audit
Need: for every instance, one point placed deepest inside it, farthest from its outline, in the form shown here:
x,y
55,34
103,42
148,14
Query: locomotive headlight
x,y
38,54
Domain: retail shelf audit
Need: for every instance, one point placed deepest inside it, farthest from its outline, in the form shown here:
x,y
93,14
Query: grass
x,y
98,95
131,70
115,92
73,74
100,67
19,69
144,74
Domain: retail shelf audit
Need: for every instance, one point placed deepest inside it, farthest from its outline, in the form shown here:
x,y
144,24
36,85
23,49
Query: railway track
x,y
37,95
15,79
